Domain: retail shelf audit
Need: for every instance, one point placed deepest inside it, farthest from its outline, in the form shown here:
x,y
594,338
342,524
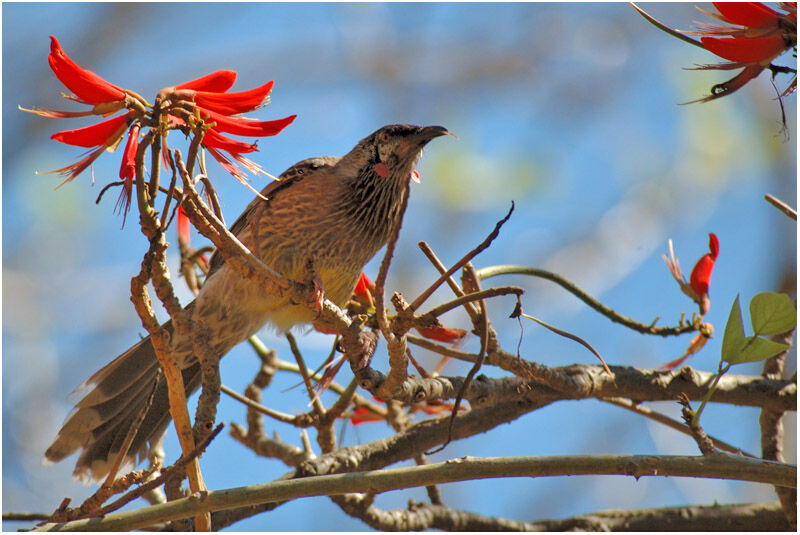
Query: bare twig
x,y
316,403
470,298
431,256
168,473
780,205
705,444
641,410
277,415
458,265
611,314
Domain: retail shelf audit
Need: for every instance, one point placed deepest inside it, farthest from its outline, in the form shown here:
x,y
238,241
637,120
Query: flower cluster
x,y
757,35
178,107
753,36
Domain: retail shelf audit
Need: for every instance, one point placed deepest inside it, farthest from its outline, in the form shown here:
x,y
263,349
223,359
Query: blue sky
x,y
570,110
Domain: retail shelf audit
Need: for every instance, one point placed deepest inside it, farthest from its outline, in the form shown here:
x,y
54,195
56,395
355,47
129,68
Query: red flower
x,y
442,334
362,415
101,137
183,225
218,81
208,98
700,279
203,97
752,37
754,50
764,35
216,140
242,126
106,133
87,86
233,103
127,171
753,14
365,286
701,274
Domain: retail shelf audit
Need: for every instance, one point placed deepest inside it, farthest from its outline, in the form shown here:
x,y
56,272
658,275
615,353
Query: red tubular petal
x,y
751,14
216,82
745,50
713,245
364,286
241,126
701,275
363,414
128,168
442,334
88,86
214,139
94,135
233,103
183,225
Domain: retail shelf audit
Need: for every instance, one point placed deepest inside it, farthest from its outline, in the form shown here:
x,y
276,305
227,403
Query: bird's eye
x,y
383,137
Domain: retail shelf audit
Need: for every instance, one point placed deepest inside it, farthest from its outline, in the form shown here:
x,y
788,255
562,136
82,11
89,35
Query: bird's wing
x,y
291,176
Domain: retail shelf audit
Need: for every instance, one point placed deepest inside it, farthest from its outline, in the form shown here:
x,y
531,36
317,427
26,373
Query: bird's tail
x,y
116,395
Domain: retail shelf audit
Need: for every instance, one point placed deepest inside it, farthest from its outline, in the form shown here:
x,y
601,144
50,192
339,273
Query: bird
x,y
335,211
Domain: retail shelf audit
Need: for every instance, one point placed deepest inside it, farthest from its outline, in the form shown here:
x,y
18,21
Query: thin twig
x,y
442,350
573,337
647,412
699,434
431,256
469,298
167,473
277,415
614,316
319,409
458,265
777,203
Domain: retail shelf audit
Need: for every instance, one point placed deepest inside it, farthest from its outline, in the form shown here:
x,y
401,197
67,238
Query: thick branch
x,y
745,517
592,382
721,466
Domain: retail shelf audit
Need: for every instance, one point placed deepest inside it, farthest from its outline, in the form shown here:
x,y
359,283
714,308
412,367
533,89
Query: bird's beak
x,y
416,140
427,133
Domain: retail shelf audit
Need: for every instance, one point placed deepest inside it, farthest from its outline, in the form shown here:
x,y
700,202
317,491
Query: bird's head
x,y
394,149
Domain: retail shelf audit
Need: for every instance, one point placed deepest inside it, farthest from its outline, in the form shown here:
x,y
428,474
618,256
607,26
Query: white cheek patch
x,y
414,176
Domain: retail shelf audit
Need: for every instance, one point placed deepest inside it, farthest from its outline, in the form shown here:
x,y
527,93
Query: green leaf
x,y
756,349
733,340
772,313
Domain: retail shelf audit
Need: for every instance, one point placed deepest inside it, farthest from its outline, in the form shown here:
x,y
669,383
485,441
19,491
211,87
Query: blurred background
x,y
572,111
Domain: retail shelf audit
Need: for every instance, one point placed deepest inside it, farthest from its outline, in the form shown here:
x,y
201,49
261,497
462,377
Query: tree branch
x,y
719,466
